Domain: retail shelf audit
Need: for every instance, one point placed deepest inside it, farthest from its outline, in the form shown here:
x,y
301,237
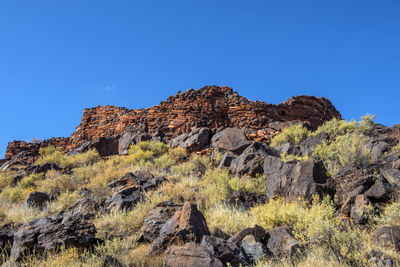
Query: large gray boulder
x,y
196,140
250,161
190,255
186,225
156,218
296,179
131,138
126,199
230,139
282,243
70,228
105,146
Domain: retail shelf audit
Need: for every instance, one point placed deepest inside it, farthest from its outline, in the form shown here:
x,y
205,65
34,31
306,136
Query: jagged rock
x,y
359,209
251,160
377,258
226,252
130,138
105,146
67,229
143,179
252,241
110,261
41,168
308,145
257,231
230,140
388,236
158,136
84,208
196,140
253,249
156,218
226,160
245,200
291,179
288,149
36,199
380,191
281,242
126,199
186,225
190,255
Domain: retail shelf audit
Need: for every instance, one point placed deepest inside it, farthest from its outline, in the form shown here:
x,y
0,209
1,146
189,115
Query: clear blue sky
x,y
59,57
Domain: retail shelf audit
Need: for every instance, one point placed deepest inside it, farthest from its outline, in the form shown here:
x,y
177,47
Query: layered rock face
x,y
211,106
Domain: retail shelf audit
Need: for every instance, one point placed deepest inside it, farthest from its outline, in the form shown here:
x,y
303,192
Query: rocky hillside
x,y
211,106
206,178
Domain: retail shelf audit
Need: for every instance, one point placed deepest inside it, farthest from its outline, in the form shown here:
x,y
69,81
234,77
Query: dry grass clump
x,y
55,155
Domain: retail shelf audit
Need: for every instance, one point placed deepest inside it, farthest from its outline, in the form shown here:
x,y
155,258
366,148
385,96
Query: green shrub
x,y
293,134
346,149
30,180
291,157
336,127
197,165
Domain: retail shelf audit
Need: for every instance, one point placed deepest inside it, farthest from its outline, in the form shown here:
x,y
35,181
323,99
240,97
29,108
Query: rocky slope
x,y
211,106
175,186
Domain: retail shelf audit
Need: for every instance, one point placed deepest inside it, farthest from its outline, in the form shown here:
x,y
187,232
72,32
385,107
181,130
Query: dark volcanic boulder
x,y
37,199
308,145
186,225
190,255
41,168
230,139
68,228
388,236
252,241
251,160
105,146
281,242
226,252
227,160
130,138
156,218
143,179
126,199
245,200
196,140
296,179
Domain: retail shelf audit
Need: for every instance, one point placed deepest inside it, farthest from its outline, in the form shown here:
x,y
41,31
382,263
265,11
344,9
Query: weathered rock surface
x,y
226,252
41,168
129,138
156,218
281,242
110,261
186,225
105,146
6,238
142,179
190,255
126,199
68,229
37,199
230,140
388,236
301,179
196,140
250,161
308,145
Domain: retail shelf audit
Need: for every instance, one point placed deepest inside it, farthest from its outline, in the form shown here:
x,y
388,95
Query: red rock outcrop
x,y
211,106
